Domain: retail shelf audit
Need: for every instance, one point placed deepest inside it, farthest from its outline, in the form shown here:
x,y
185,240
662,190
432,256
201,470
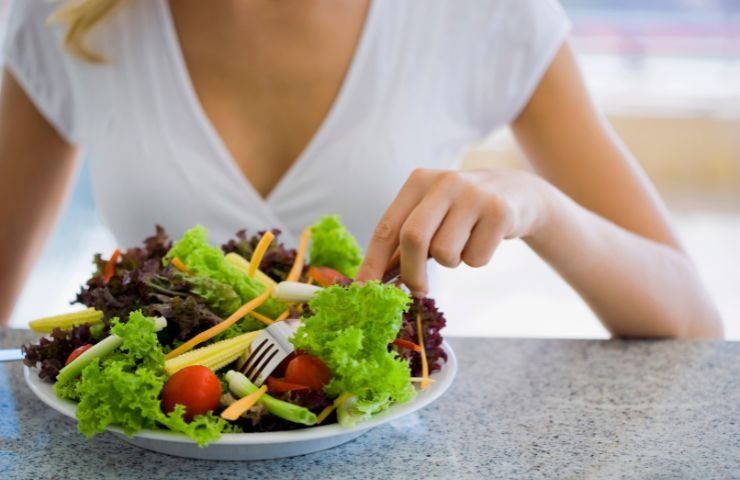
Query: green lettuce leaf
x,y
333,246
350,330
123,388
224,287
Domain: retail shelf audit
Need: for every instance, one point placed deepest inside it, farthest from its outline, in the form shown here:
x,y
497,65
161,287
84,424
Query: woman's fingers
x,y
452,236
419,229
491,228
385,239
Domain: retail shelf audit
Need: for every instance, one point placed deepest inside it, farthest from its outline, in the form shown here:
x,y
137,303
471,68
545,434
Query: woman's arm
x,y
625,261
36,169
598,222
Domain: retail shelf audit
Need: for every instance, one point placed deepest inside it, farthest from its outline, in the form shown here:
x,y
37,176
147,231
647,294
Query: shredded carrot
x,y
420,379
235,410
283,316
259,252
220,327
327,410
297,269
177,263
310,281
424,365
109,269
262,318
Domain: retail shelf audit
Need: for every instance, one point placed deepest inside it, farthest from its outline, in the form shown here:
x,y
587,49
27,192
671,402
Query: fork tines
x,y
258,359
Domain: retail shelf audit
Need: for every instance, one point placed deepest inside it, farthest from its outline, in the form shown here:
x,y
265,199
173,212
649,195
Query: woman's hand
x,y
455,216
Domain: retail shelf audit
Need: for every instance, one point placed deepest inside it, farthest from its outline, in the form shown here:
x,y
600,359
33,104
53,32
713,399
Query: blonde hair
x,y
80,16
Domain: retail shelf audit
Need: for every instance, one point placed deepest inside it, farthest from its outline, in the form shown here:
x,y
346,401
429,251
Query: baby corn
x,y
47,324
214,356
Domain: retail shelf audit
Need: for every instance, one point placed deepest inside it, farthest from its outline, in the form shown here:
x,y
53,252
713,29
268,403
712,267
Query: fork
x,y
268,350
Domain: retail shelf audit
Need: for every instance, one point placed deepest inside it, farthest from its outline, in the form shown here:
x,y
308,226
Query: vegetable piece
x,y
110,267
195,387
259,252
326,276
294,292
215,330
420,379
77,352
177,263
100,349
210,269
278,259
49,352
276,385
400,342
242,264
432,322
262,318
308,370
295,272
283,316
124,388
240,386
88,316
424,365
350,330
214,356
333,246
236,409
336,403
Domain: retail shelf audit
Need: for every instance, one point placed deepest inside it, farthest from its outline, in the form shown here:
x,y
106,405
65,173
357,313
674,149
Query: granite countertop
x,y
518,408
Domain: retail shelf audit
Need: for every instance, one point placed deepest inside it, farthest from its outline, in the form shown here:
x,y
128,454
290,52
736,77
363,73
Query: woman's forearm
x,y
36,168
636,286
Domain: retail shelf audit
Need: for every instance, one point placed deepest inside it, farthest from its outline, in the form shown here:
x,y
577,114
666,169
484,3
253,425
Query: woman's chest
x,y
267,74
158,157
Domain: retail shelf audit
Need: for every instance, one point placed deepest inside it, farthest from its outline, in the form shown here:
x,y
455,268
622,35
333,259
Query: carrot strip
x,y
243,404
420,379
283,316
109,269
297,268
327,410
424,365
259,252
262,318
220,327
400,342
177,263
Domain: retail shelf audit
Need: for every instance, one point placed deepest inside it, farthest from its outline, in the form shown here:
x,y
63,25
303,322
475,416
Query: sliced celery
x,y
240,386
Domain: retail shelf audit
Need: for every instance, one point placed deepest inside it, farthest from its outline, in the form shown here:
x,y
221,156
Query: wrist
x,y
550,207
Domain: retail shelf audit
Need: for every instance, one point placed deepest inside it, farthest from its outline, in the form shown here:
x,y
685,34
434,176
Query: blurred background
x,y
667,74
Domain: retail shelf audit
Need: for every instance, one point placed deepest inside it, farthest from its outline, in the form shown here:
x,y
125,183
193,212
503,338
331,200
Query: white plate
x,y
258,446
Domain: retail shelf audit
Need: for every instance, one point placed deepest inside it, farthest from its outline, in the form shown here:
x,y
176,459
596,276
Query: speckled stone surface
x,y
518,409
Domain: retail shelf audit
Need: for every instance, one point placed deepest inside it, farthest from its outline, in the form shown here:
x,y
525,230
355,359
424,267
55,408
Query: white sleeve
x,y
524,38
33,55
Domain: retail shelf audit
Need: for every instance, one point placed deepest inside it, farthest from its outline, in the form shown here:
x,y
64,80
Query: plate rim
x,y
444,379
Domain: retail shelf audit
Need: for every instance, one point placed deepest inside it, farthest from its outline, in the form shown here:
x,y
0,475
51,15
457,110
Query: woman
x,y
269,113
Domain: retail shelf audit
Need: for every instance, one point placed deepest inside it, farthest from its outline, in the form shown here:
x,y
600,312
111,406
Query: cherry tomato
x,y
77,352
307,370
195,387
326,276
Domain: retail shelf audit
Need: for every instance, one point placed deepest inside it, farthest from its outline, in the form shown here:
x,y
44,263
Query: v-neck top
x,y
428,79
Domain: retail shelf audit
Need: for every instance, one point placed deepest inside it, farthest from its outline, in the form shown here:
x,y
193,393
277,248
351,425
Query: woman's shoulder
x,y
497,50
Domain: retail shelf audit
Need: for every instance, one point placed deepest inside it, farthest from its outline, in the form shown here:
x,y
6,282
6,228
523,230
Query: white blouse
x,y
428,78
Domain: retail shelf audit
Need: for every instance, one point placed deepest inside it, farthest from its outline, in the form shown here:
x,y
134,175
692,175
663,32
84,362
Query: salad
x,y
168,326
